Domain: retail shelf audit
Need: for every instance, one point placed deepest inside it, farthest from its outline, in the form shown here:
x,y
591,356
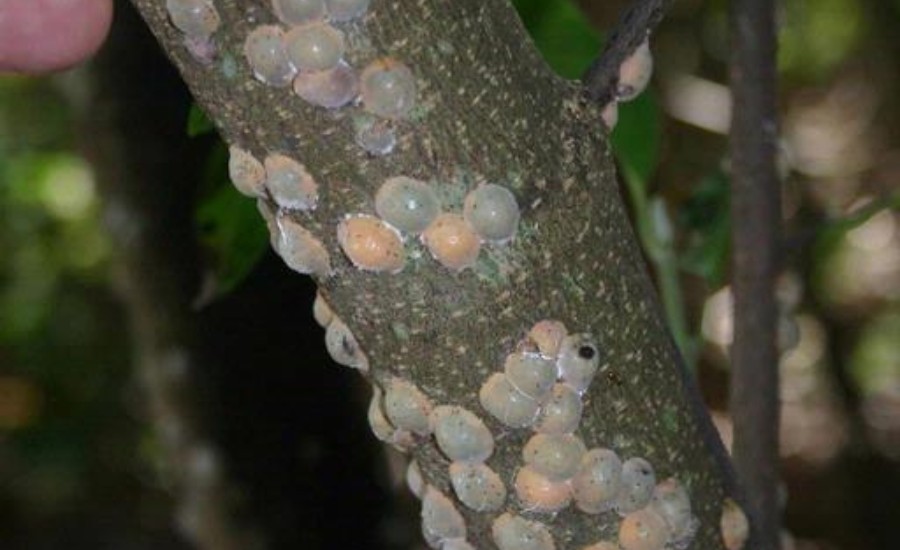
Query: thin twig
x,y
756,216
636,24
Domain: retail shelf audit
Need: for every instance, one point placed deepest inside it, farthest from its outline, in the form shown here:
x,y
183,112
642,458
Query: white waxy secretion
x,y
477,486
300,250
507,404
343,347
635,73
345,10
371,244
561,412
597,482
461,435
291,186
548,335
195,18
452,242
331,89
671,501
512,532
557,457
266,54
322,312
247,173
636,489
578,361
408,204
388,88
407,407
492,211
540,494
530,373
643,530
314,47
440,518
298,12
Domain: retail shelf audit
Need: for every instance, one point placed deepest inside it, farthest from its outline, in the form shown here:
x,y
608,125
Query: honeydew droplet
x,y
540,494
440,518
548,335
388,88
343,347
331,89
345,10
195,18
561,413
557,457
247,174
461,435
578,361
322,312
597,482
300,250
414,479
507,404
492,211
635,72
371,244
376,137
314,47
734,526
407,407
298,12
671,501
512,532
290,185
530,373
266,54
643,530
477,486
636,489
408,204
452,242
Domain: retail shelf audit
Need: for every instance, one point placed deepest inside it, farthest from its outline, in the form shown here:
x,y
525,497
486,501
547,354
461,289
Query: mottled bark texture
x,y
756,219
489,109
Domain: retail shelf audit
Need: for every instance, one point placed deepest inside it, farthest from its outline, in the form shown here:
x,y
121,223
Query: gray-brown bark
x,y
489,110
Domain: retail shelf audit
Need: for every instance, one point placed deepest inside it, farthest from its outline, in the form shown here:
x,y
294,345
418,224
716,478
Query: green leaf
x,y
198,123
562,33
705,219
637,136
234,235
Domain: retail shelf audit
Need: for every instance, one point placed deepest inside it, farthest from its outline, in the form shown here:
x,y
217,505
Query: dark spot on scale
x,y
587,352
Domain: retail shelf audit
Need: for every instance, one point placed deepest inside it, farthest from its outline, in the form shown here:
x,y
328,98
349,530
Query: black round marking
x,y
587,352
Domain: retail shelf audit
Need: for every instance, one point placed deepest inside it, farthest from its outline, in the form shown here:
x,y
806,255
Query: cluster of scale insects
x,y
541,383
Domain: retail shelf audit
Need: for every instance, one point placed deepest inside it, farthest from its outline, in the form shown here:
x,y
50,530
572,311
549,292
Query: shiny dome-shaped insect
x,y
540,494
477,486
314,47
561,412
300,250
643,530
408,204
299,12
331,89
265,52
492,211
548,335
636,489
371,244
578,361
557,457
246,173
346,10
461,435
195,18
452,242
530,373
388,88
414,480
511,532
597,482
440,518
507,404
343,347
671,501
290,185
407,407
322,312
635,72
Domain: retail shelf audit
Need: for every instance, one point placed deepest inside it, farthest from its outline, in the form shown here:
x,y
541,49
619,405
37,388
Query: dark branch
x,y
756,216
636,24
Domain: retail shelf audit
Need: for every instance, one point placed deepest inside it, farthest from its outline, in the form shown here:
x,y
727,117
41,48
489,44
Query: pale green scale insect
x,y
388,88
408,204
343,347
493,212
530,373
346,10
597,482
298,12
507,404
440,518
461,435
512,532
671,501
195,18
407,407
314,47
561,412
246,173
643,529
477,486
300,250
331,89
578,361
291,186
539,493
557,457
376,137
636,489
265,51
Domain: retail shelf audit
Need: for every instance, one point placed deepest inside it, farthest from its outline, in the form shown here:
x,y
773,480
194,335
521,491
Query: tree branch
x,y
756,218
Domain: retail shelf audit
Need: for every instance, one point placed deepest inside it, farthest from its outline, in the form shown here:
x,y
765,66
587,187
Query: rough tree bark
x,y
489,109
